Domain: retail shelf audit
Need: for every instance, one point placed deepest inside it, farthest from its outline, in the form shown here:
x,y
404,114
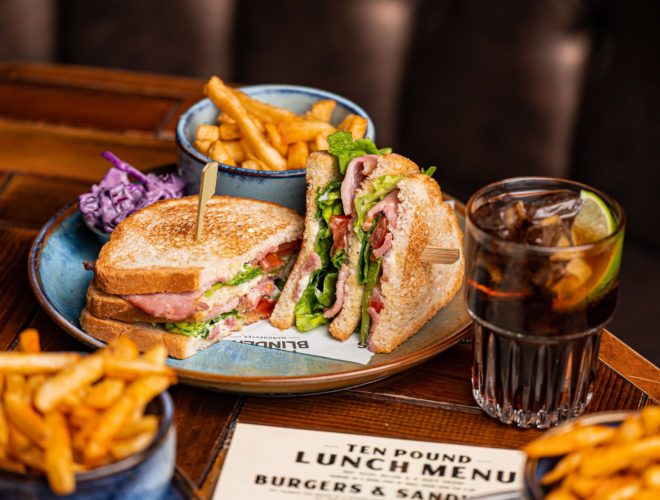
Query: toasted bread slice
x,y
414,291
322,169
144,335
348,318
154,250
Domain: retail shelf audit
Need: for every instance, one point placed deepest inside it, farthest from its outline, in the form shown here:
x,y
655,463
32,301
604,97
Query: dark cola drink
x,y
542,276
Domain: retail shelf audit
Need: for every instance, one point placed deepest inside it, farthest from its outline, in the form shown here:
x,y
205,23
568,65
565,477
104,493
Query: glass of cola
x,y
543,258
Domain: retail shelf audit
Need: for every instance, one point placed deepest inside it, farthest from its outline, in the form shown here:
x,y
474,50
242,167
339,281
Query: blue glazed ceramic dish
x,y
145,475
535,469
283,187
60,281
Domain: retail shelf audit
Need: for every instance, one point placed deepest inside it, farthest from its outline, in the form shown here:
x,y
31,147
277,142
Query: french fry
x,y
82,374
303,130
28,341
126,447
133,369
254,164
612,459
146,423
122,347
630,430
156,355
575,439
651,477
229,103
58,456
17,440
650,417
225,118
565,466
208,133
322,110
29,364
580,486
647,494
618,488
262,110
345,124
560,494
20,412
4,428
235,149
82,414
358,127
12,465
275,138
228,132
218,152
320,143
297,157
32,457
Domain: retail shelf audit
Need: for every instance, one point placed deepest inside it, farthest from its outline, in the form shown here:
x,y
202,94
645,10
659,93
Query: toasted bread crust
x,y
348,318
322,169
144,335
154,250
415,291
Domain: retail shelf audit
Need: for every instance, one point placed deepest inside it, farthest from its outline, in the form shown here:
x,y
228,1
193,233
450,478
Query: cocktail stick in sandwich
x,y
159,285
367,223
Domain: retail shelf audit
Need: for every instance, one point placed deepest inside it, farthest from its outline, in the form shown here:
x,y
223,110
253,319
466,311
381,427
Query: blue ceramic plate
x,y
60,282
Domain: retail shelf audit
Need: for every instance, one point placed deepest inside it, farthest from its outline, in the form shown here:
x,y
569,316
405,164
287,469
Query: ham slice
x,y
339,291
388,206
311,264
171,306
356,171
387,244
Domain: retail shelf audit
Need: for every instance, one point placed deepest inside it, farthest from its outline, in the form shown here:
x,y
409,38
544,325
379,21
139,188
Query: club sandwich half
x,y
159,285
369,217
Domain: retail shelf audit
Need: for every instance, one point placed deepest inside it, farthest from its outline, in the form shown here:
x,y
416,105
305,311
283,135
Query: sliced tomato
x,y
270,261
286,248
378,235
376,302
340,226
265,306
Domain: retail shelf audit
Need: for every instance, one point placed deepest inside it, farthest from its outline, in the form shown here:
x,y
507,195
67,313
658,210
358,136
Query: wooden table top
x,y
54,123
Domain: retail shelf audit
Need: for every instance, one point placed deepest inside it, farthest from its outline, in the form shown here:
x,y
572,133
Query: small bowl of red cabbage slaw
x,y
123,191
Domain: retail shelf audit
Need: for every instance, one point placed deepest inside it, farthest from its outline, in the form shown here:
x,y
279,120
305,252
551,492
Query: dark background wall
x,y
484,90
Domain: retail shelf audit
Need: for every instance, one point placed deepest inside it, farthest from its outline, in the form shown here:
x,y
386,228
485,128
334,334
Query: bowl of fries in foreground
x,y
261,137
602,456
85,425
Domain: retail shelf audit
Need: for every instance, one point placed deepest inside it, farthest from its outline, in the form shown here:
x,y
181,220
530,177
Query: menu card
x,y
281,463
317,342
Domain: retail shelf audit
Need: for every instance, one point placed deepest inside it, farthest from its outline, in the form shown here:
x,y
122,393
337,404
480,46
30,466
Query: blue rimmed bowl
x,y
146,474
286,187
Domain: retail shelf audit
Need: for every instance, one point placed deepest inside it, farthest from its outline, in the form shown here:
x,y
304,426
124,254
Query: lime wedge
x,y
594,221
591,275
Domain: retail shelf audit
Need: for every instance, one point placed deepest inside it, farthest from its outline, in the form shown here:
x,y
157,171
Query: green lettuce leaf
x,y
248,273
380,188
200,329
429,171
342,145
373,273
320,292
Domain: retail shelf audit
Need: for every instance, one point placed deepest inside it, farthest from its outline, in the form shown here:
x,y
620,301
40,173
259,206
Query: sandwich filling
x,y
224,306
320,291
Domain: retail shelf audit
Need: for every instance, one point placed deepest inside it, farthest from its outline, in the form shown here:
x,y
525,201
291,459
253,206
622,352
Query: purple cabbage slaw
x,y
116,197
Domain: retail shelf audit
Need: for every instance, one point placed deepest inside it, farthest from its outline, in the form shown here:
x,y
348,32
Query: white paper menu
x,y
274,463
317,342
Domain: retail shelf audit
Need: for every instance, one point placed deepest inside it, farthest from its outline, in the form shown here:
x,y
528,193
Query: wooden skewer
x,y
438,255
206,190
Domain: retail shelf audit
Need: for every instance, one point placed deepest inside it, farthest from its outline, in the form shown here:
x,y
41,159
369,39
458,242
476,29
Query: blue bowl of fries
x,y
145,474
614,453
261,144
